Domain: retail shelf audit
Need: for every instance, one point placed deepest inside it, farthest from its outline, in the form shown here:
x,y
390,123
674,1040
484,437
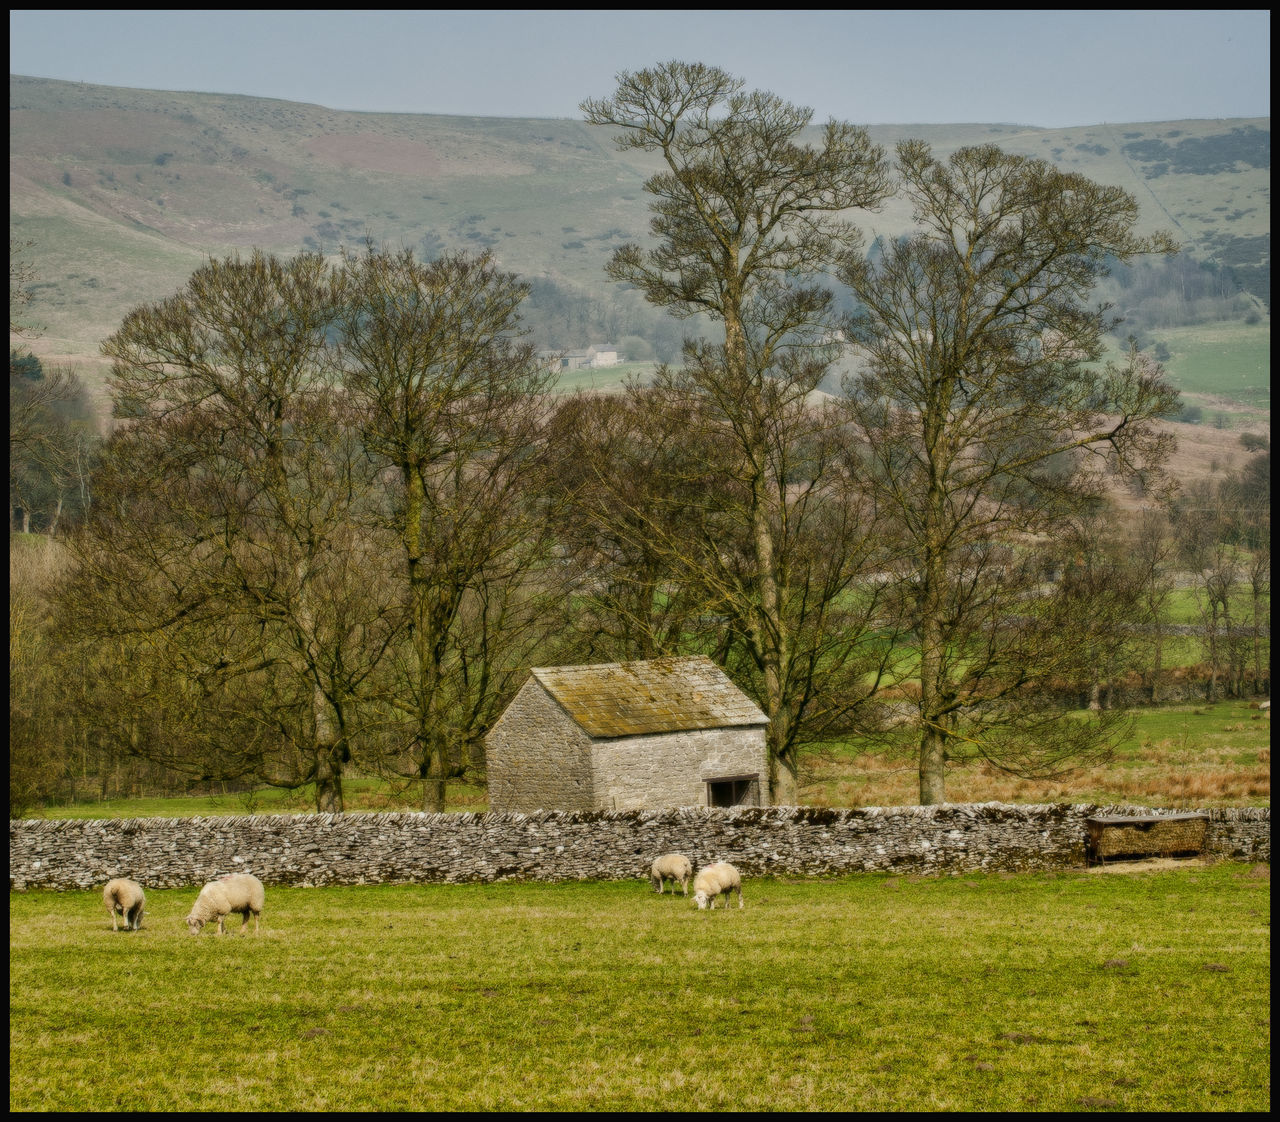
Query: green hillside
x,y
124,191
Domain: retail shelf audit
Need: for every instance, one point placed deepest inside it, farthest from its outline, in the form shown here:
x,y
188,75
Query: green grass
x,y
1042,992
1229,360
360,794
608,378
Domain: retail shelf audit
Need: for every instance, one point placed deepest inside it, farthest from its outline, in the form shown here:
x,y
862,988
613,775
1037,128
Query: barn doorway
x,y
734,790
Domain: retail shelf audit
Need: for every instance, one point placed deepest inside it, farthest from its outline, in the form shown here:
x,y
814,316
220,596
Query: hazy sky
x,y
1047,68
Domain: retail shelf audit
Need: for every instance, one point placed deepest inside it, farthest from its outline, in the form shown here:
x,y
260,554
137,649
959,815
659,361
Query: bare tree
x,y
977,403
52,445
1258,575
626,486
452,409
222,553
22,273
746,218
1153,550
52,436
1104,590
38,744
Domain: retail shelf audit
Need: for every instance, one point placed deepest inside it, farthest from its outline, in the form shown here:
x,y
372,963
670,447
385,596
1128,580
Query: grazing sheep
x,y
124,898
715,880
673,867
236,892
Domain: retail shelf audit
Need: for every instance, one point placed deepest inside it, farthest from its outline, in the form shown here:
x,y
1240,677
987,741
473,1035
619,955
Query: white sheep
x,y
674,867
235,892
124,898
715,880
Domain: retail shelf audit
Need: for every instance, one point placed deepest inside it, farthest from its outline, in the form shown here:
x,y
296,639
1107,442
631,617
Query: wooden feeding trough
x,y
1136,836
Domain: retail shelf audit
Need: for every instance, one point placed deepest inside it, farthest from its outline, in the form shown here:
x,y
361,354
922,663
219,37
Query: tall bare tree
x,y
451,405
979,403
746,218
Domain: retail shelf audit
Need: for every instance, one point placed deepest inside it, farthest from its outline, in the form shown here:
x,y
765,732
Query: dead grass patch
x,y
1179,756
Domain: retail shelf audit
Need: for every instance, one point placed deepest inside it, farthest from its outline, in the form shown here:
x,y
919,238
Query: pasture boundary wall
x,y
412,848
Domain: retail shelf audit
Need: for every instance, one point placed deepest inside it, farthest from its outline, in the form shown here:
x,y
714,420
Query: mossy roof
x,y
658,695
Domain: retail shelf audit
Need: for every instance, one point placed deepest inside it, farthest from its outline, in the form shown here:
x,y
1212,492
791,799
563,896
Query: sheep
x,y
236,892
714,880
124,898
674,867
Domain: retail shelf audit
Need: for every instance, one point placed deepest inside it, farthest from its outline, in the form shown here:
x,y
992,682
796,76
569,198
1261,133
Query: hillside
x,y
123,192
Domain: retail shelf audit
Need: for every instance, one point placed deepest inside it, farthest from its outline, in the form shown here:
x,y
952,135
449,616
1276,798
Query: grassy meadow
x,y
1145,991
1222,360
1179,755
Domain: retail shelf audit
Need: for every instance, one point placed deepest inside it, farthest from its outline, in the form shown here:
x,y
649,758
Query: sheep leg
x,y
114,926
739,897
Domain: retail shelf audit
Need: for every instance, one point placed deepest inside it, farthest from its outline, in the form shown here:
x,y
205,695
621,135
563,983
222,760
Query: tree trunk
x,y
933,757
932,766
434,788
1157,667
329,761
433,770
784,782
433,794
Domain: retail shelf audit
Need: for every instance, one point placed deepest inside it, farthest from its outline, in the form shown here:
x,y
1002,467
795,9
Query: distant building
x,y
623,736
603,354
595,357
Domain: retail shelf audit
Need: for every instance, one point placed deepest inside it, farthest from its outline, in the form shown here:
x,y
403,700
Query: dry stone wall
x,y
318,849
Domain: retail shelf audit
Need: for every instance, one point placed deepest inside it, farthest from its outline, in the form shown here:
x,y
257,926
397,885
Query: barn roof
x,y
660,695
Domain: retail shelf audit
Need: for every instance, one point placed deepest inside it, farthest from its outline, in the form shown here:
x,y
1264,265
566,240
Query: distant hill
x,y
124,192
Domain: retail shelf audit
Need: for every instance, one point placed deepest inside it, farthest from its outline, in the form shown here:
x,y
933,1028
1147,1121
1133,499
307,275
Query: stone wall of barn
x,y
317,849
536,756
672,769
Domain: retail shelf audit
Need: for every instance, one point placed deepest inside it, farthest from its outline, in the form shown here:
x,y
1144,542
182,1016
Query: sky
x,y
1052,69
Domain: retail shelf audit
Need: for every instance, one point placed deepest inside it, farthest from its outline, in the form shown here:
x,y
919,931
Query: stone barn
x,y
628,736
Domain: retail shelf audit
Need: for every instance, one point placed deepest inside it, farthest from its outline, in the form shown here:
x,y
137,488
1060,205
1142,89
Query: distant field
x,y
1081,991
609,379
1177,755
1231,361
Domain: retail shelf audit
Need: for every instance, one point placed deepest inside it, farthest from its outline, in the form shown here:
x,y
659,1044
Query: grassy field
x,y
609,379
1226,360
1177,755
1042,992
